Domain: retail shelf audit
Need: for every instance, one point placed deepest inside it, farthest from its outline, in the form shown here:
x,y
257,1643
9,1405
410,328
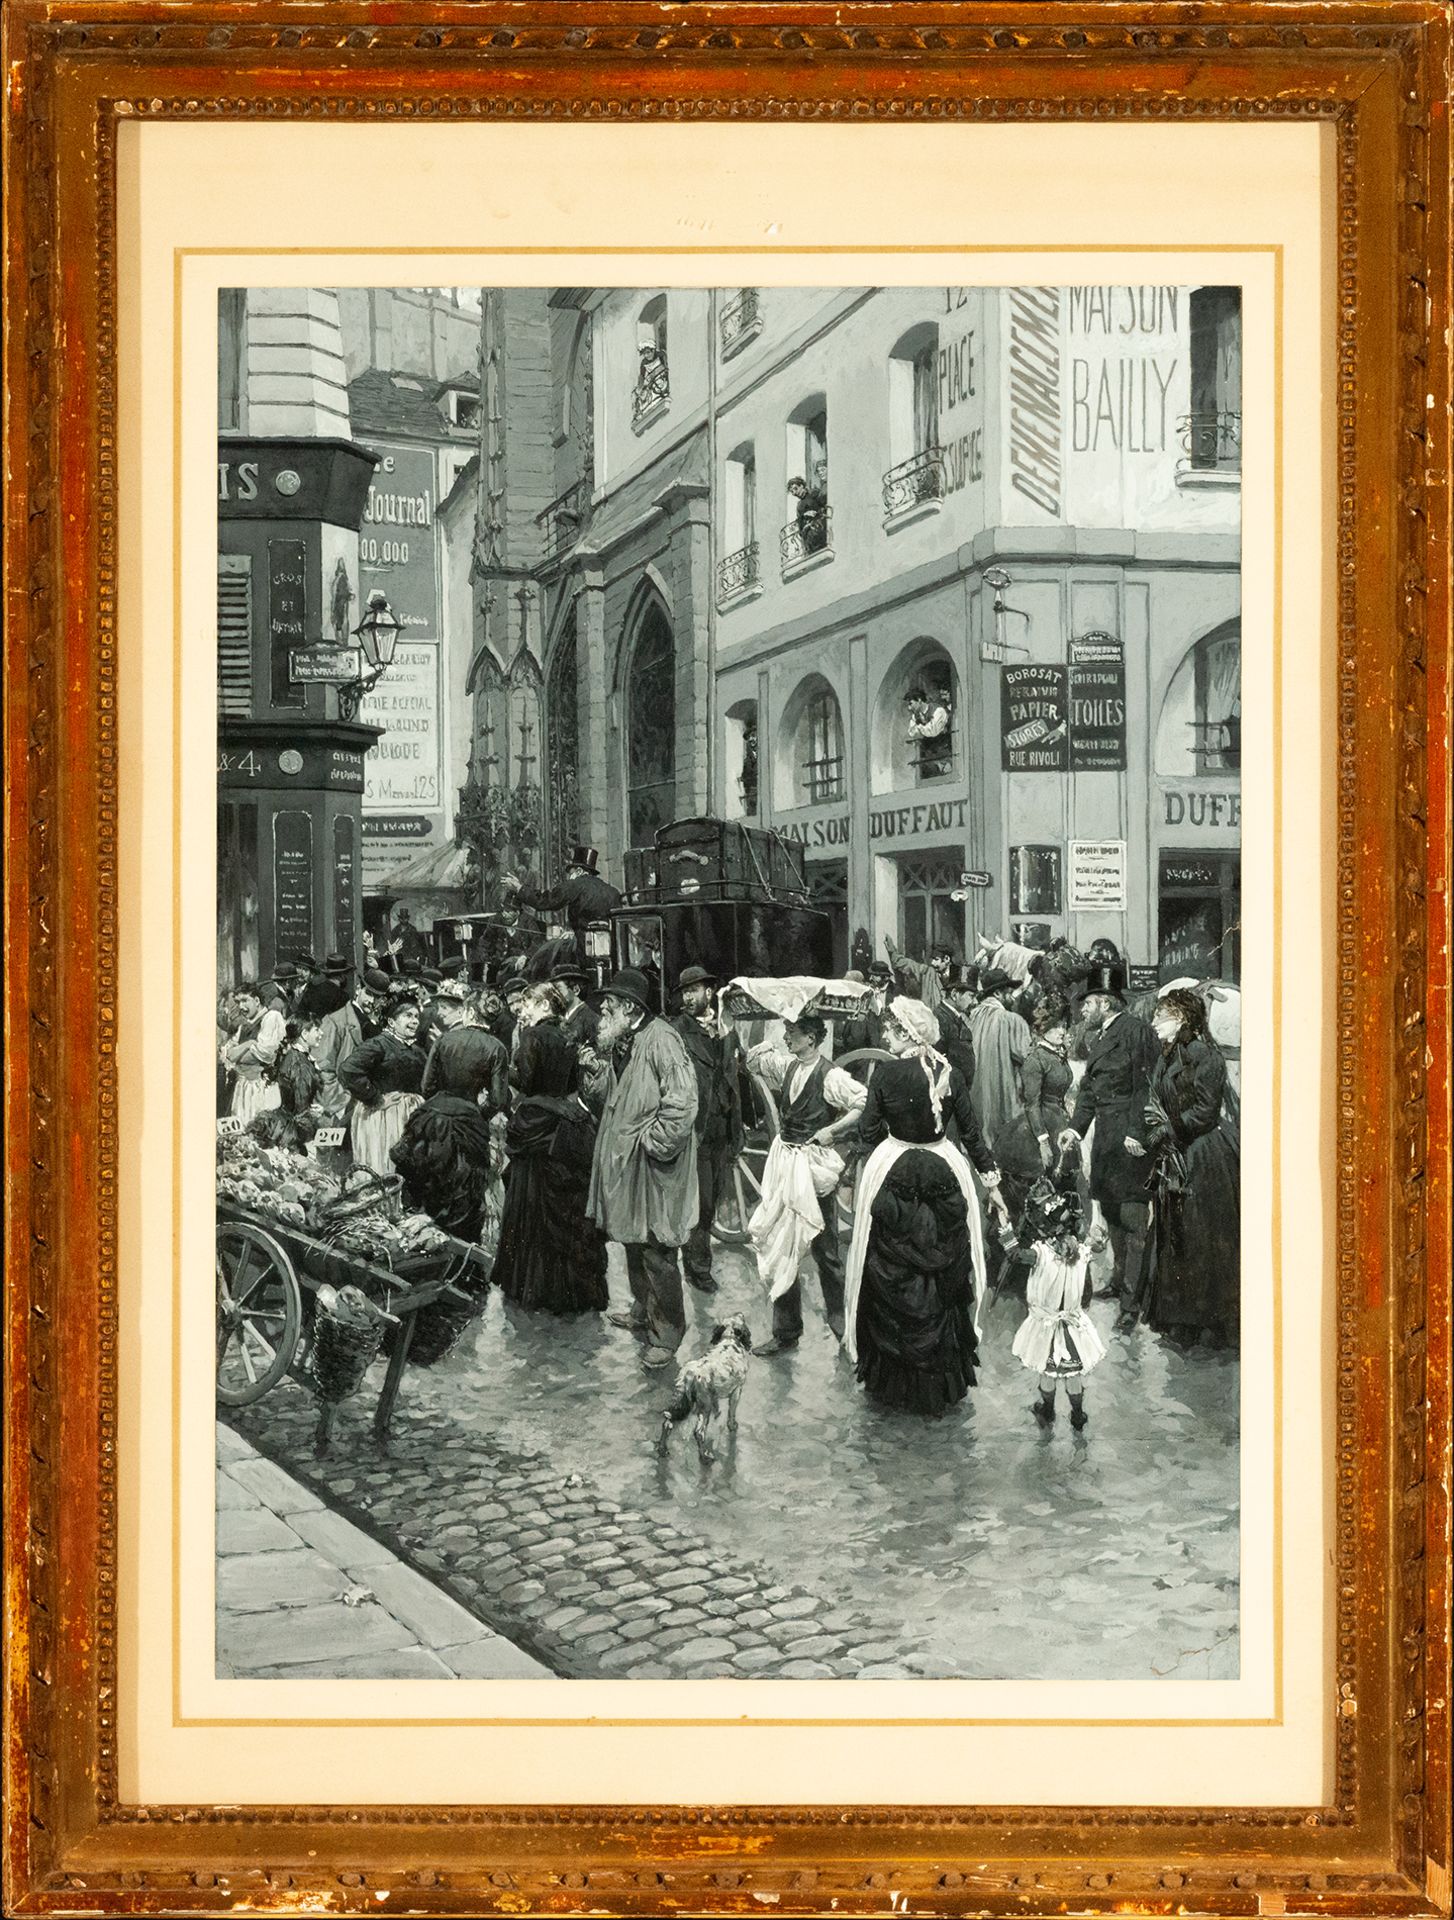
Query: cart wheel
x,y
738,1236
259,1313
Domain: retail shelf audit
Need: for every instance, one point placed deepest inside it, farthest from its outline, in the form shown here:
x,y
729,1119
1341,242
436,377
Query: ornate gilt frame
x,y
1379,71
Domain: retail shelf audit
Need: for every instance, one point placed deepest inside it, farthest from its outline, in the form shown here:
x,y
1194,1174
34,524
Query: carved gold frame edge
x,y
70,1841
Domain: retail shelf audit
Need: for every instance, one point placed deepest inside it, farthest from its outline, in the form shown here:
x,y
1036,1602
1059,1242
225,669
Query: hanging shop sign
x,y
975,877
1143,979
324,666
1097,704
1098,875
1033,719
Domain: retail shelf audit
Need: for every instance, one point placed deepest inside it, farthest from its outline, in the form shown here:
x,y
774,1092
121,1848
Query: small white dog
x,y
710,1382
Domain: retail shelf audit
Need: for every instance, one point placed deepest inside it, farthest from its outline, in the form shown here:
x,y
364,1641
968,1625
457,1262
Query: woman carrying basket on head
x,y
916,1262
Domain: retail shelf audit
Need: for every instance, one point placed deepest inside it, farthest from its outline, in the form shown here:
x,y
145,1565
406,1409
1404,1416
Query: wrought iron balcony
x,y
653,391
738,571
1211,442
564,520
914,481
811,532
740,320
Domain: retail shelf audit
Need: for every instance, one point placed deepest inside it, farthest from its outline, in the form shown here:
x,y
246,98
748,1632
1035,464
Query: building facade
x,y
1021,507
292,488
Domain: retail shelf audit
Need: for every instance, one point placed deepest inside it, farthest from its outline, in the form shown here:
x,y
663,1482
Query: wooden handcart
x,y
268,1273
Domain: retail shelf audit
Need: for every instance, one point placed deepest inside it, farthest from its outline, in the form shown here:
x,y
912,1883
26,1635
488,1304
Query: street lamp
x,y
377,633
997,651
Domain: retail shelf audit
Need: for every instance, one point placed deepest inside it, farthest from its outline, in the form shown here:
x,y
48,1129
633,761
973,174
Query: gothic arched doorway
x,y
651,750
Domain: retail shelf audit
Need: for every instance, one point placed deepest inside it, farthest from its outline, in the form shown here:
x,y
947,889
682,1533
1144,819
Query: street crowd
x,y
1018,1114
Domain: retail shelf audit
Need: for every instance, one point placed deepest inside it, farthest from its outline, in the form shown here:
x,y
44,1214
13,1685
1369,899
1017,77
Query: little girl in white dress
x,y
1056,1338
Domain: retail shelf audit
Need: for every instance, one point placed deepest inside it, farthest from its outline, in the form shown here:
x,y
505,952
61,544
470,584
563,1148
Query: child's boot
x,y
1078,1414
1044,1408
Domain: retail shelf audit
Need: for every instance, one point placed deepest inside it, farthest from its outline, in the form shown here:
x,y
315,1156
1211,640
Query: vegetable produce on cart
x,y
317,1278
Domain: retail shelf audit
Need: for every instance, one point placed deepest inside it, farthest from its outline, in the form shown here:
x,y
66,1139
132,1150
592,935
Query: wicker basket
x,y
342,1354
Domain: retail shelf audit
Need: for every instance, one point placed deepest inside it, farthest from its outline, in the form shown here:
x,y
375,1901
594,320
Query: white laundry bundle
x,y
788,1218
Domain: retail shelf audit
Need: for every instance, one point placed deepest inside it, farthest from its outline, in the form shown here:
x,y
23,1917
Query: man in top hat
x,y
327,989
344,1030
716,1057
1001,1039
1121,1054
956,1037
583,896
643,1190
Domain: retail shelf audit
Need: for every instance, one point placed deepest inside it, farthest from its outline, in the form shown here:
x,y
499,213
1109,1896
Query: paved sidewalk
x,y
303,1594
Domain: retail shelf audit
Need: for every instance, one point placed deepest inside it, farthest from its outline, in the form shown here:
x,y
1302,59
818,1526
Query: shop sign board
x,y
292,883
1034,718
1097,704
323,666
1143,979
975,877
396,542
1098,875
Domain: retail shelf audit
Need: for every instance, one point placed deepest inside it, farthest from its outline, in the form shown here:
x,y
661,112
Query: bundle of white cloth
x,y
789,1218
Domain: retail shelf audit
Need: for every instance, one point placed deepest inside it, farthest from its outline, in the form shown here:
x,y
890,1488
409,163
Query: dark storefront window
x,y
1199,934
651,729
1036,879
929,915
828,889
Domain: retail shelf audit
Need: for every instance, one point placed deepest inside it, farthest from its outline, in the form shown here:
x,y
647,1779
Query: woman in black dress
x,y
384,1075
1195,1244
916,1263
551,1258
1027,1147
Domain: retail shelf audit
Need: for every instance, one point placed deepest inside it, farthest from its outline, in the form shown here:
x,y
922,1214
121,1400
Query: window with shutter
x,y
234,635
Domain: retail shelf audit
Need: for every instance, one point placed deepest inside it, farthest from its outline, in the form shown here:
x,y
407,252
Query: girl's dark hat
x,y
1108,980
628,984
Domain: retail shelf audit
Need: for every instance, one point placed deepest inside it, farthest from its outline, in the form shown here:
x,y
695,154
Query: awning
x,y
446,867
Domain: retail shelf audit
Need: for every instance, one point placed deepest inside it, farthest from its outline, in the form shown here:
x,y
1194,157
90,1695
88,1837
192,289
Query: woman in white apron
x,y
385,1075
252,1054
916,1264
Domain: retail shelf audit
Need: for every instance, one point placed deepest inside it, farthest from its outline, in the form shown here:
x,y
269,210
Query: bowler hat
x,y
375,981
880,970
628,984
452,969
696,977
571,970
335,963
431,975
1110,981
586,857
285,972
995,980
306,961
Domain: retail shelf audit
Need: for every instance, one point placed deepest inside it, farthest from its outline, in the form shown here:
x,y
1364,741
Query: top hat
x,y
696,977
995,980
1108,980
586,857
571,970
335,963
629,984
963,979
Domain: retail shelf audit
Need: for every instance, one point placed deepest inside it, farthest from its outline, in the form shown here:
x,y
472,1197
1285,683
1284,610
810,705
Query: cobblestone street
x,y
831,1539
